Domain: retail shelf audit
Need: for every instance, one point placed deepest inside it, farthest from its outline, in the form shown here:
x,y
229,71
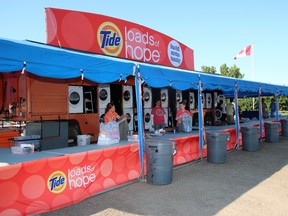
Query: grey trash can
x,y
159,161
217,147
250,141
284,126
271,132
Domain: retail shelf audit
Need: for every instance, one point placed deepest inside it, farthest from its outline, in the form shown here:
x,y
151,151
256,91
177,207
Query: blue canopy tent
x,y
48,61
160,76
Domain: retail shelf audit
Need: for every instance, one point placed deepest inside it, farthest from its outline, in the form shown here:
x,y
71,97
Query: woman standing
x,y
112,115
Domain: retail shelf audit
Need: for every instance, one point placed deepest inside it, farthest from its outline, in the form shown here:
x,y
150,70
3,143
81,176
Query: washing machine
x,y
208,100
129,113
164,97
127,97
147,97
221,97
101,115
103,95
166,116
203,100
218,115
178,98
192,100
215,99
147,119
75,95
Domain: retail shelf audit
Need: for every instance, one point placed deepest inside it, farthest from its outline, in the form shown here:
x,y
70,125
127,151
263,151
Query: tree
x,y
233,71
207,69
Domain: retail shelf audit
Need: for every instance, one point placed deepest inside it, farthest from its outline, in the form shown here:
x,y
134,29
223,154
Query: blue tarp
x,y
52,62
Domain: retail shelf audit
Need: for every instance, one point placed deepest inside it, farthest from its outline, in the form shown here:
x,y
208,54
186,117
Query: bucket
x,y
83,140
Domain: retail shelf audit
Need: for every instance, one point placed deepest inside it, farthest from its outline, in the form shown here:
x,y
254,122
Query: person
x,y
182,112
230,110
264,109
223,110
273,107
158,113
112,115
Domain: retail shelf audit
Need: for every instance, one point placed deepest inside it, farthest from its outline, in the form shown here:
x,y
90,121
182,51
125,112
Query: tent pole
x,y
277,106
260,112
237,123
138,93
200,117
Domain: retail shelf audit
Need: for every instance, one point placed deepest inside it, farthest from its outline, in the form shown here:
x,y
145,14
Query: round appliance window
x,y
103,94
146,96
128,117
147,117
163,97
209,100
178,97
191,99
127,95
102,118
74,98
218,114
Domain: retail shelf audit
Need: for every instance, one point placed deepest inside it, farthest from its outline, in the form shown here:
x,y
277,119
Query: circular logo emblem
x,y
57,182
175,53
110,39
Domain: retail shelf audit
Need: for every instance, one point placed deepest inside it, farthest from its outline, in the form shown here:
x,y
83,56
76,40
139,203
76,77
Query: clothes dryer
x,y
129,113
208,100
147,119
147,97
101,115
178,98
192,100
103,95
164,97
75,96
127,97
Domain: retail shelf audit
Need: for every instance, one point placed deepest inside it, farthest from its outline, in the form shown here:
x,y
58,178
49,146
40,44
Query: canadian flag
x,y
244,52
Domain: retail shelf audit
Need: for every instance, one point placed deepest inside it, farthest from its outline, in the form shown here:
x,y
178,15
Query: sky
x,y
215,30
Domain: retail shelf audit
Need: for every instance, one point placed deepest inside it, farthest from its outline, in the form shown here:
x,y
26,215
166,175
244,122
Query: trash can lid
x,y
249,128
152,142
271,123
217,133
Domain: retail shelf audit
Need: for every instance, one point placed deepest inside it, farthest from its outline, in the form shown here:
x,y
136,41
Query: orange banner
x,y
52,183
115,37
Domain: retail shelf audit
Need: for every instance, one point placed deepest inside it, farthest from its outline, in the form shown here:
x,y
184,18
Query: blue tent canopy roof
x,y
53,62
47,61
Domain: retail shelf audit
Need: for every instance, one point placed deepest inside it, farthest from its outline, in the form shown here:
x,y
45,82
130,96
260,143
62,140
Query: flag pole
x,y
252,72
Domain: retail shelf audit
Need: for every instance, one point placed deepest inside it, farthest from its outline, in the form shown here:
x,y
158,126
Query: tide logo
x,y
110,39
57,182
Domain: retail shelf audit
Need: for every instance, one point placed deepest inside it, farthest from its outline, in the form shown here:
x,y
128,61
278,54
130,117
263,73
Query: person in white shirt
x,y
230,109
